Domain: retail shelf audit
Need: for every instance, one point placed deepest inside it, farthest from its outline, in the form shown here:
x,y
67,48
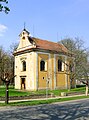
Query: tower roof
x,y
24,30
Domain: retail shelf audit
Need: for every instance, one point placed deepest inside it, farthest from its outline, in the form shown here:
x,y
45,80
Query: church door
x,y
22,83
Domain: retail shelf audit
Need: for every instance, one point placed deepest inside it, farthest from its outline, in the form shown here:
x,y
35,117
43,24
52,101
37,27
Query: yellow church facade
x,y
40,64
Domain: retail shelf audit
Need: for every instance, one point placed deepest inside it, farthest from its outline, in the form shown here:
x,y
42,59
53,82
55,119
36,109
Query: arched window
x,y
24,65
59,65
42,65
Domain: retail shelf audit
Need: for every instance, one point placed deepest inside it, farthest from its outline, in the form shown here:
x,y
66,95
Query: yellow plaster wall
x,y
42,75
60,80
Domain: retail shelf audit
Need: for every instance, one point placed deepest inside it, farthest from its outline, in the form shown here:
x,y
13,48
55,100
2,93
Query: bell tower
x,y
24,34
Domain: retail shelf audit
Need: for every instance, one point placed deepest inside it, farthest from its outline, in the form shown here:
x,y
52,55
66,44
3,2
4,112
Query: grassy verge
x,y
48,101
14,92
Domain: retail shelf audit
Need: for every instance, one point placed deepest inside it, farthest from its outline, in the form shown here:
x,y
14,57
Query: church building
x,y
40,64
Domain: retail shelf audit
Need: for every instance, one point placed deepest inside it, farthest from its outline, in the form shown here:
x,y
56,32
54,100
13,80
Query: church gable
x,y
25,40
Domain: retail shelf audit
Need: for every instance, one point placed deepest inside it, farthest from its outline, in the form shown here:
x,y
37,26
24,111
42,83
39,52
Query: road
x,y
74,110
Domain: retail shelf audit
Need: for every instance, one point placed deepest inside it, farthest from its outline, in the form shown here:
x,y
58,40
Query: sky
x,y
51,20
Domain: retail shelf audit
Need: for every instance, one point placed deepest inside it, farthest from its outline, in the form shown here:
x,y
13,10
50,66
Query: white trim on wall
x,y
55,71
66,75
36,71
43,53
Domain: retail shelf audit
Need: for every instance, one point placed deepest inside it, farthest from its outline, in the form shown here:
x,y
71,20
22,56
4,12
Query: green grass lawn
x,y
14,92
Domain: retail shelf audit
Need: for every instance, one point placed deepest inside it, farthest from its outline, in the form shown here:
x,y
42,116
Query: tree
x,y
13,47
79,66
4,7
6,63
7,80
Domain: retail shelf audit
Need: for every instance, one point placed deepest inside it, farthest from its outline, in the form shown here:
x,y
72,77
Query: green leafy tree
x,y
3,6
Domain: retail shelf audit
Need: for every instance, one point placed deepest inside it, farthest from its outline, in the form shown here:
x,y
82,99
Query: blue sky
x,y
46,19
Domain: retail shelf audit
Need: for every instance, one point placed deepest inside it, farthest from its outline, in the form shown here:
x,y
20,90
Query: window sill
x,y
43,71
60,71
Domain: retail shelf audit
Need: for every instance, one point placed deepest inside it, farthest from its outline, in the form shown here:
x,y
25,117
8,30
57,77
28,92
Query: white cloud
x,y
3,28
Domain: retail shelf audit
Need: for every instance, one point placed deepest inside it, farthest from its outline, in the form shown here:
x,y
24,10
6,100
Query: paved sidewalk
x,y
42,98
67,110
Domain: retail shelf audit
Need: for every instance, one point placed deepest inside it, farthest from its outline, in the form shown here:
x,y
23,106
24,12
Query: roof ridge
x,y
46,40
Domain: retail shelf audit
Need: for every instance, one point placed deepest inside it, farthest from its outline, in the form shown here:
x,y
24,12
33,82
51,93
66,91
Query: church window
x,y
23,38
24,65
42,65
59,65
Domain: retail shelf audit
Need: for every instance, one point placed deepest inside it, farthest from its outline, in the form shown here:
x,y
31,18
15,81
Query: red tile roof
x,y
48,45
45,45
